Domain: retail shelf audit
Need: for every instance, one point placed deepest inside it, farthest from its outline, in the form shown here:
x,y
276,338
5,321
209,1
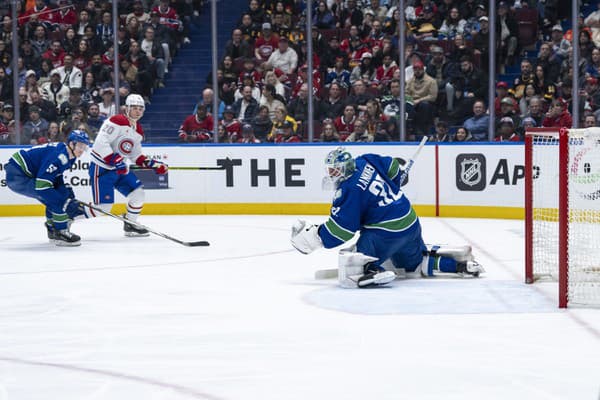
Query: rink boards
x,y
474,180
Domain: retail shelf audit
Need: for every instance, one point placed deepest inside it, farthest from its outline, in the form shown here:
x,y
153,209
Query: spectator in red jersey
x,y
385,73
506,131
247,135
55,54
558,115
285,134
42,14
198,127
232,127
344,124
65,16
266,43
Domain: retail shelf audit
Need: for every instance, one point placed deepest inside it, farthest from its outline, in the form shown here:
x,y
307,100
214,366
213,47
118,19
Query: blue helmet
x,y
79,136
339,165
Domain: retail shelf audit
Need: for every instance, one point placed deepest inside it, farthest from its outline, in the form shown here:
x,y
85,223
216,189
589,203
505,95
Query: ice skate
x,y
134,231
469,268
51,231
375,276
66,238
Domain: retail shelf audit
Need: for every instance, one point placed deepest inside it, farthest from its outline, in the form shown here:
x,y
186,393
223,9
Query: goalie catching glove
x,y
305,237
158,167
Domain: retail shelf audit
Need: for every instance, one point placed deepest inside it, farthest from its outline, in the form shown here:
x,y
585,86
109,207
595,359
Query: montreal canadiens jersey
x,y
46,163
371,198
117,136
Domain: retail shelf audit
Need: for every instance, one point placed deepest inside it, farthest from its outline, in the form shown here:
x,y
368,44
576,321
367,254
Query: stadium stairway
x,y
187,74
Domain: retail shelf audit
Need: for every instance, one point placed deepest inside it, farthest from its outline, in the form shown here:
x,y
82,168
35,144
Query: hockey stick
x,y
183,168
164,235
331,273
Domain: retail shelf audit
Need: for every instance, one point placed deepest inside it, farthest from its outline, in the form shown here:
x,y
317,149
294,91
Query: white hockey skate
x,y
472,268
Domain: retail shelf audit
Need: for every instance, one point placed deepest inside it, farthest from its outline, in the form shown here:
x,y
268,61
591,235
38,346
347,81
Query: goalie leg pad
x,y
305,237
356,270
458,253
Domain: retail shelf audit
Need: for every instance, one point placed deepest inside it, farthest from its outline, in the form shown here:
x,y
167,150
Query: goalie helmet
x,y
339,165
79,136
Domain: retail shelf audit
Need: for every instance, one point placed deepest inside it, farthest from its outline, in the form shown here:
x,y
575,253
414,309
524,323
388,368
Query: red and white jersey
x,y
117,136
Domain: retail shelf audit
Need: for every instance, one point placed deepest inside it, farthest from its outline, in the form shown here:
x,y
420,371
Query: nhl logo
x,y
470,172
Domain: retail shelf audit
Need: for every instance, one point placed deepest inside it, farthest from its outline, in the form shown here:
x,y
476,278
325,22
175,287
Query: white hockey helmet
x,y
134,100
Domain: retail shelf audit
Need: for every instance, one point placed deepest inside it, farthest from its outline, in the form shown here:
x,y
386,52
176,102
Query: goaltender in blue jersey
x,y
368,198
38,173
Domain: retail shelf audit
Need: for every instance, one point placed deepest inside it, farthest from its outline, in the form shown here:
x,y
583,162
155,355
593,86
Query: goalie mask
x,y
339,165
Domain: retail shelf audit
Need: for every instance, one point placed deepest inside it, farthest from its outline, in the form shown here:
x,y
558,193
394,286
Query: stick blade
x,y
201,243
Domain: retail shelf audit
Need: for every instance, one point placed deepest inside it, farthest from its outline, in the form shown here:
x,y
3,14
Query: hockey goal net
x,y
562,212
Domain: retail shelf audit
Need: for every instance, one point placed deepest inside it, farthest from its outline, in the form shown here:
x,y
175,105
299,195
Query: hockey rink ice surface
x,y
244,319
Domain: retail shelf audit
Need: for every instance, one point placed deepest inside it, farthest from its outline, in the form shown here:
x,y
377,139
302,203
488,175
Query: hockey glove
x,y
158,167
116,160
305,238
74,208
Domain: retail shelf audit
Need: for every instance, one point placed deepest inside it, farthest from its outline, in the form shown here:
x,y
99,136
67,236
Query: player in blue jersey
x,y
369,199
38,173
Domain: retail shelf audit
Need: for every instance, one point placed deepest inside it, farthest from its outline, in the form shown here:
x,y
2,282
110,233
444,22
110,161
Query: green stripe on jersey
x,y
393,169
398,224
43,184
19,160
338,231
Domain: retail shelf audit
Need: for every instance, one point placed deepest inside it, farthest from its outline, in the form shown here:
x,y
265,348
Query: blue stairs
x,y
187,74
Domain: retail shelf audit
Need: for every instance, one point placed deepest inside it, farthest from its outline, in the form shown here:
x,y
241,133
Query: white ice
x,y
244,319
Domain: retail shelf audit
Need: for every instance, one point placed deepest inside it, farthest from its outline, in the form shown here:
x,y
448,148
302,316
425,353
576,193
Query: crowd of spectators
x,y
66,58
262,78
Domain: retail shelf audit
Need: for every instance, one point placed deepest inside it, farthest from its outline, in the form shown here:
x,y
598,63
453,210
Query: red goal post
x,y
562,212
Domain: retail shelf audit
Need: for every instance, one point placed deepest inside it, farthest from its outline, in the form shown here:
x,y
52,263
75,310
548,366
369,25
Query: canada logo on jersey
x,y
126,146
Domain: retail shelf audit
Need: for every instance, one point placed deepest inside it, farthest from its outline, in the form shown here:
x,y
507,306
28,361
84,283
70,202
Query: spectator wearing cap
x,y
507,32
107,106
471,80
561,46
247,135
284,58
266,43
70,75
453,24
7,135
365,71
421,95
231,126
323,18
236,47
54,90
197,127
501,94
478,123
506,131
7,124
285,133
558,115
508,109
441,132
35,129
440,68
31,84
481,41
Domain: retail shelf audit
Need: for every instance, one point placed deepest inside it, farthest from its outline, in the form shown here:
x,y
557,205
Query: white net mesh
x,y
583,269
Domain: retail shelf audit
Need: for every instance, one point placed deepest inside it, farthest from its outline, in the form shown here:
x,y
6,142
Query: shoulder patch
x,y
119,119
63,159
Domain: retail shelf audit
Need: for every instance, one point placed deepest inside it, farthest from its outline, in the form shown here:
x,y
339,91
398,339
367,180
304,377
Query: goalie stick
x,y
332,273
163,235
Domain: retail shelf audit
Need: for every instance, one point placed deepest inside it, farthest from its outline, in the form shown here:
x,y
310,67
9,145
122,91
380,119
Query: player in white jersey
x,y
120,139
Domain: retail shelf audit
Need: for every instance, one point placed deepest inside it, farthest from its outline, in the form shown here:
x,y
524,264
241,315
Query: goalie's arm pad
x,y
305,237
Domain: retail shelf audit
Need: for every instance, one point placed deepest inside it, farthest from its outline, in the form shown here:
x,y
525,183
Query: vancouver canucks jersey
x,y
45,163
370,198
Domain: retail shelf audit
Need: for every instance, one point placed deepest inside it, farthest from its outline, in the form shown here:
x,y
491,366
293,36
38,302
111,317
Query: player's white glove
x,y
305,238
